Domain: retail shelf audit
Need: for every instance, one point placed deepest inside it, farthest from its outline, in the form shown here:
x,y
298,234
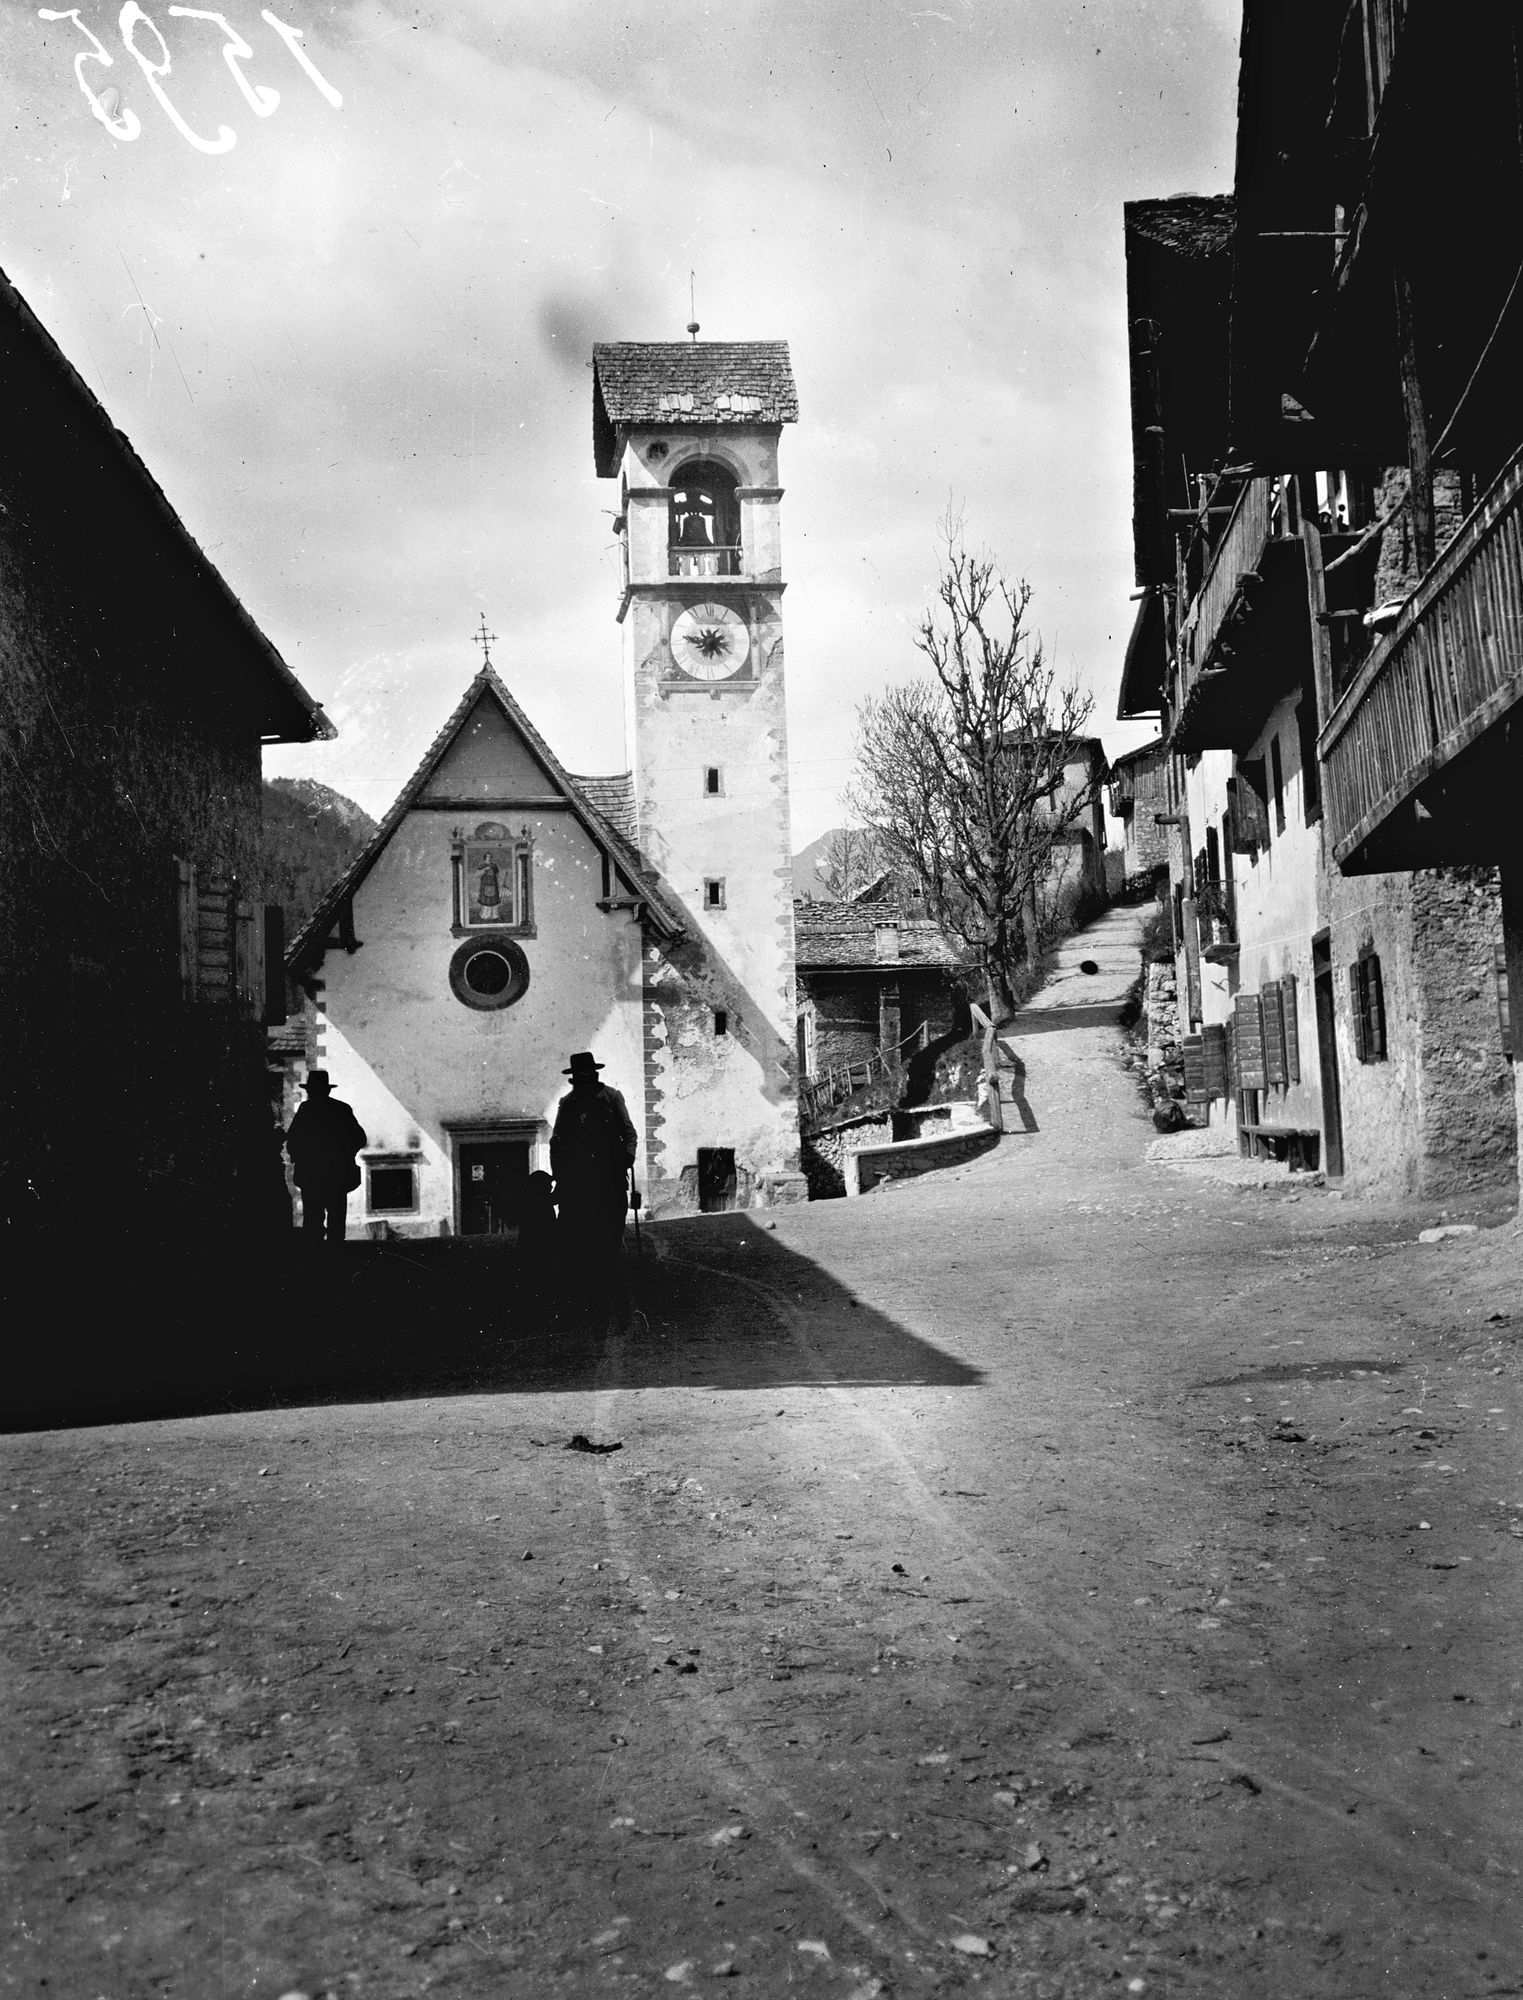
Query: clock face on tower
x,y
710,642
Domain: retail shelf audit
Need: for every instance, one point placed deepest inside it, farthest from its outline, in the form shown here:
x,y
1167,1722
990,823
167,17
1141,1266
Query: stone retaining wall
x,y
867,1166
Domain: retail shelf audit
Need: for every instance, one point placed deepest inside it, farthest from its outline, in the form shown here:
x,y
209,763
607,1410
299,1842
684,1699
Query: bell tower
x,y
691,432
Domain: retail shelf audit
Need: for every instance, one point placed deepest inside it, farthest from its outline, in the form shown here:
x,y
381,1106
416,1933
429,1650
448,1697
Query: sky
x,y
354,344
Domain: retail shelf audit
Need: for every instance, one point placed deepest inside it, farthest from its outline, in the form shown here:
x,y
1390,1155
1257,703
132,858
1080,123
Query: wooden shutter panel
x,y
1250,797
248,958
1236,833
214,941
1249,1018
1292,1027
1504,1008
275,1010
1195,1070
1229,1033
1358,1007
1377,1008
188,926
1214,1050
1272,1003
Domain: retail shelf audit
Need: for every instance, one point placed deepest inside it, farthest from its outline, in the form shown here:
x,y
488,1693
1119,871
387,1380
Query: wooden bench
x,y
1299,1146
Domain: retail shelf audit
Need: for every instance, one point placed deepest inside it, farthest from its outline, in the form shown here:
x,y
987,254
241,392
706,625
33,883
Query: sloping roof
x,y
1191,225
1178,286
614,798
310,943
832,935
1158,748
1145,668
642,382
306,722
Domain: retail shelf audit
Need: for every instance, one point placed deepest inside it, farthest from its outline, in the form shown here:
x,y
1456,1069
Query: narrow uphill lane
x,y
1012,1580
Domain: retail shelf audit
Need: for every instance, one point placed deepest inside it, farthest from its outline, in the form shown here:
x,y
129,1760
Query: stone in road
x,y
1056,1577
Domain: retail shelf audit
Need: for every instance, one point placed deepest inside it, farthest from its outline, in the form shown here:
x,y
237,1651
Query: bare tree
x,y
850,861
963,776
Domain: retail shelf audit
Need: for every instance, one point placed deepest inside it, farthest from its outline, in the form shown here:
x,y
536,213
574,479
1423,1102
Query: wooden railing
x,y
722,559
836,1084
1237,555
1451,665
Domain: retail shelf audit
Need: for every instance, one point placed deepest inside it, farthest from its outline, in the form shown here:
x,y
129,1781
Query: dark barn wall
x,y
849,1010
129,736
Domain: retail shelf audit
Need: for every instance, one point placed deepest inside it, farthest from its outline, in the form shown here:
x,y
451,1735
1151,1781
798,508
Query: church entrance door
x,y
493,1176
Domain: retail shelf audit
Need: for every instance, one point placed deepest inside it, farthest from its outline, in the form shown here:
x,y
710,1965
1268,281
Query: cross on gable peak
x,y
484,639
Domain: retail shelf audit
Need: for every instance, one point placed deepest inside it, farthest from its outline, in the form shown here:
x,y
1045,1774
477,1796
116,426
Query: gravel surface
x,y
1060,1576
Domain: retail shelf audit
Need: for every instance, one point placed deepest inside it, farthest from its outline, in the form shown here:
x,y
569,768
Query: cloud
x,y
365,385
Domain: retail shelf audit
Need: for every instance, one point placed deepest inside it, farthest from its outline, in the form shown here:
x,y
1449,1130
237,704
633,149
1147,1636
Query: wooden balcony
x,y
1243,638
1432,689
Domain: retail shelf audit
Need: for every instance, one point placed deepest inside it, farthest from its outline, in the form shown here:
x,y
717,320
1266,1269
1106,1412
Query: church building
x,y
508,912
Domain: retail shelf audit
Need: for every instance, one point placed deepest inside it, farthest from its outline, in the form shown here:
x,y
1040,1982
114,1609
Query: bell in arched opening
x,y
705,521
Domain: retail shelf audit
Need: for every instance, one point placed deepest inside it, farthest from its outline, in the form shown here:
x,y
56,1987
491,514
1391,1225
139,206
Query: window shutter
x,y
275,1010
1273,1005
1292,1028
1229,1036
1249,794
214,941
1504,1011
187,926
1195,1070
248,959
1377,1008
1214,1049
1249,1018
1357,1009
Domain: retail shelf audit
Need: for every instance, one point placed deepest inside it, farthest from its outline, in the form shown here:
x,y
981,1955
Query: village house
x,y
1139,796
1380,176
1324,1025
133,953
508,912
876,984
1074,886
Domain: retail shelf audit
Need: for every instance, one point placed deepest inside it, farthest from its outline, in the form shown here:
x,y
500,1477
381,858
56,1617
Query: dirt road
x,y
1061,1576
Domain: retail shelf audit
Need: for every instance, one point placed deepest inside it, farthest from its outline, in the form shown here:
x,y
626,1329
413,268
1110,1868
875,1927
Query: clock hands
x,y
711,641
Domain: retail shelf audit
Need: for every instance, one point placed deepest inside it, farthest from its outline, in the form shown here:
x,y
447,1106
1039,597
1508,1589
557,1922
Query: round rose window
x,y
489,971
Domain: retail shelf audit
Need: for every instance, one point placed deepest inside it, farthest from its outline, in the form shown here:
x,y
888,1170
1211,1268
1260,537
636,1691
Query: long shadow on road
x,y
228,1328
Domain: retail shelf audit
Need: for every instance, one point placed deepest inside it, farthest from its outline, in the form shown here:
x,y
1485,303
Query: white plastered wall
x,y
412,1059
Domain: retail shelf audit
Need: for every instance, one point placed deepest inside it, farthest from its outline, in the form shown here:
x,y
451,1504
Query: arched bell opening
x,y
705,521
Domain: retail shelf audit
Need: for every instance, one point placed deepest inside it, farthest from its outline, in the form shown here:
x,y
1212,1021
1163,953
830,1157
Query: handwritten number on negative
x,y
261,99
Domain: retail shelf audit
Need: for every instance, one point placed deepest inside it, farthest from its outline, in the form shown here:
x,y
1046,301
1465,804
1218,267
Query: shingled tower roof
x,y
638,383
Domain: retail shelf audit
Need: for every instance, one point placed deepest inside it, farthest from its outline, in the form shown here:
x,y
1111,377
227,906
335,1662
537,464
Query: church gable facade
x,y
493,925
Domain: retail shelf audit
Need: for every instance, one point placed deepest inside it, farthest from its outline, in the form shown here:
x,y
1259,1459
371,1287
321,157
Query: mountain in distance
x,y
311,835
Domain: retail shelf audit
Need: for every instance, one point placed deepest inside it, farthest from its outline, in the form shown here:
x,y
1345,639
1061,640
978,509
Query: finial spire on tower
x,y
692,306
484,639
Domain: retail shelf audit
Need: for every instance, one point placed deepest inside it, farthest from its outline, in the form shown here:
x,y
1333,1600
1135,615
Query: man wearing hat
x,y
592,1149
323,1139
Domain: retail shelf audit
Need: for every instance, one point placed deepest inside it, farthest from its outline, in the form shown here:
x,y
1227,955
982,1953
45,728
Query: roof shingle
x,y
687,382
846,934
